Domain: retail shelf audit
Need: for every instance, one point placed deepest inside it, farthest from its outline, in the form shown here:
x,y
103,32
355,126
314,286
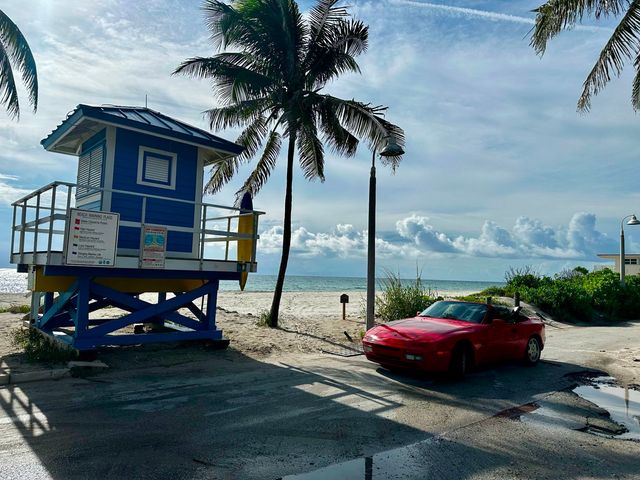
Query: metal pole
x,y
622,254
371,246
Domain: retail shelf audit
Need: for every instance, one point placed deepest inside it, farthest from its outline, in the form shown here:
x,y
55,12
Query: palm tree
x,y
624,44
15,49
269,81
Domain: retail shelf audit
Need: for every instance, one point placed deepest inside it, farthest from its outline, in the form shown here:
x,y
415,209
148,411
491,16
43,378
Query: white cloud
x,y
344,241
8,192
477,13
527,239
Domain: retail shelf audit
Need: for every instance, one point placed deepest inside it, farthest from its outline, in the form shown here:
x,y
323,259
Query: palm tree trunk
x,y
286,234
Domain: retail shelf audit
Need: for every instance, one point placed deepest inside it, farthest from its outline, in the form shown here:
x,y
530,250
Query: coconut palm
x,y
14,49
624,44
269,78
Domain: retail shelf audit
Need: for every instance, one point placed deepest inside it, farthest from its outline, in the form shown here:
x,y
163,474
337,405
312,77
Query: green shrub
x,y
37,348
400,300
16,309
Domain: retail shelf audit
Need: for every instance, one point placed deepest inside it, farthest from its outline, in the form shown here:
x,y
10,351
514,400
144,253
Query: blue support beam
x,y
73,307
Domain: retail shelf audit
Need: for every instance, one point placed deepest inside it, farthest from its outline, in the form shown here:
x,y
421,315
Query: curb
x,y
75,368
14,378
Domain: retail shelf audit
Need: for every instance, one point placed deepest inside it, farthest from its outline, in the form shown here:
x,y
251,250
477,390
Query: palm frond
x,y
252,137
557,15
623,45
236,115
234,81
17,50
264,167
635,90
333,54
323,15
222,171
338,138
365,121
310,150
8,90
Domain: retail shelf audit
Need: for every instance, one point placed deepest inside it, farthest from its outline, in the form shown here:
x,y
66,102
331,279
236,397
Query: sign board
x,y
154,246
92,238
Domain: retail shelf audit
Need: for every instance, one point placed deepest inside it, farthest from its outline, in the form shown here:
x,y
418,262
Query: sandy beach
x,y
310,322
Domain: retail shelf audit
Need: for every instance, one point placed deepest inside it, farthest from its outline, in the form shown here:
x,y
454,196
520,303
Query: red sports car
x,y
455,336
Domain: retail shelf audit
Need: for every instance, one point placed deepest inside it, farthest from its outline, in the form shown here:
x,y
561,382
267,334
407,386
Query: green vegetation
x,y
16,309
578,294
622,47
37,348
15,53
402,301
263,318
269,78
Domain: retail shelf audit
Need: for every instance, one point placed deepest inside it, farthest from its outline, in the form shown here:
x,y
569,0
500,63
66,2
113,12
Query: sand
x,y
310,322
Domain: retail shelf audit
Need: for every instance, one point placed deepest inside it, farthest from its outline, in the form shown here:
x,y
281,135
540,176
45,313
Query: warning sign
x,y
154,246
92,238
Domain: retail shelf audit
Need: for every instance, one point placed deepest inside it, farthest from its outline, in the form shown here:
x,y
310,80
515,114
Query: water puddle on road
x,y
622,403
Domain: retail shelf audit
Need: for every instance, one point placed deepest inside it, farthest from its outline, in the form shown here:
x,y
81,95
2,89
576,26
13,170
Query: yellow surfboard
x,y
245,227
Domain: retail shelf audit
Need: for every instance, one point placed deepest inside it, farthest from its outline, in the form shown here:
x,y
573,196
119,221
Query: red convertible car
x,y
453,336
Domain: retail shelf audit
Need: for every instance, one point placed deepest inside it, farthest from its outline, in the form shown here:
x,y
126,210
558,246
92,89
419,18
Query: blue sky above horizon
x,y
500,170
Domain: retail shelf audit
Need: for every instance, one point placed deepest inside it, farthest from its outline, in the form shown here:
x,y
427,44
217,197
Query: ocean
x,y
13,282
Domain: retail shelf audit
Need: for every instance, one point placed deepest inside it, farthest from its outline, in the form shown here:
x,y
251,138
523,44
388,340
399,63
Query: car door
x,y
504,335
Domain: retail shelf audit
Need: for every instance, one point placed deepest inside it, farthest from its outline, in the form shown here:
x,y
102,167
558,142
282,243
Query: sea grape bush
x,y
401,299
579,294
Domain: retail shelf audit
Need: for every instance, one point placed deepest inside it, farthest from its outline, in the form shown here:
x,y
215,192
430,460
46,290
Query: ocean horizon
x,y
14,282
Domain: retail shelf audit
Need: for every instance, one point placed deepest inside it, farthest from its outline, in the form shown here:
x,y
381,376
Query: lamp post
x,y
391,149
633,221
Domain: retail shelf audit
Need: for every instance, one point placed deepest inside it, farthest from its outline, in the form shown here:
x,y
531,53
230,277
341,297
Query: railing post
x,y
53,213
13,232
226,250
202,234
37,219
23,220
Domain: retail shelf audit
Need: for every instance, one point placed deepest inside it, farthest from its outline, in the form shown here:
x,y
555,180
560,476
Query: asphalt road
x,y
185,413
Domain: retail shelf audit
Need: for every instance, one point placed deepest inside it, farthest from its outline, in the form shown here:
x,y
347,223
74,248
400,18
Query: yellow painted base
x,y
50,283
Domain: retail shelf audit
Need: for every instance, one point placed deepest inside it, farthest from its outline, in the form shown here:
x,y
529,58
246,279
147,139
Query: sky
x,y
500,170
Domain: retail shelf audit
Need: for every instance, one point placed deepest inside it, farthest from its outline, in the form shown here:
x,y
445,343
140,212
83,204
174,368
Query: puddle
x,y
622,403
399,463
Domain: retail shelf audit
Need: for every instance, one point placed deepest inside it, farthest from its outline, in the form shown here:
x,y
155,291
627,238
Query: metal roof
x,y
85,120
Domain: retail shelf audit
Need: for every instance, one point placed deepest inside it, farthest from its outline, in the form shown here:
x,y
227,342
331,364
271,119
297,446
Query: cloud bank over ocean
x,y
417,238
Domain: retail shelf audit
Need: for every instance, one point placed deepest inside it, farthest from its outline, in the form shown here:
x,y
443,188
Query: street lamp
x,y
633,221
391,149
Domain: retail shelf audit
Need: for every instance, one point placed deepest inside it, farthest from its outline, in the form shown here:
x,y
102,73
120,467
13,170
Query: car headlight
x,y
368,348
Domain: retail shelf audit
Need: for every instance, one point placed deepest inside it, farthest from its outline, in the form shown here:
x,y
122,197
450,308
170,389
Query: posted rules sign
x,y
92,238
154,245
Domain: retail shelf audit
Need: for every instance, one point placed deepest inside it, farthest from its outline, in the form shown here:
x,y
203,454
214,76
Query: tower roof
x,y
86,120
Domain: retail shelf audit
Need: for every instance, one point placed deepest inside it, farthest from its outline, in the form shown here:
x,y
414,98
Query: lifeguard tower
x,y
133,223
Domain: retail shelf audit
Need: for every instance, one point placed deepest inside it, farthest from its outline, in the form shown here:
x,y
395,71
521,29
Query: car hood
x,y
419,328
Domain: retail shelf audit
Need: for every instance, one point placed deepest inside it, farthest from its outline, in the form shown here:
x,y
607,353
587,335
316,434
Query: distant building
x,y
631,262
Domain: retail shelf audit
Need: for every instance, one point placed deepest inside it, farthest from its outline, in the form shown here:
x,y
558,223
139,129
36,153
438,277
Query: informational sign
x,y
92,238
154,246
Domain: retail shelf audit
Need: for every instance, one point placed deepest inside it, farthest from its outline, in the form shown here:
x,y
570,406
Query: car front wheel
x,y
460,363
532,352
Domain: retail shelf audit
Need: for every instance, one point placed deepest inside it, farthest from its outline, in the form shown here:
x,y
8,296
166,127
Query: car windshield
x,y
467,312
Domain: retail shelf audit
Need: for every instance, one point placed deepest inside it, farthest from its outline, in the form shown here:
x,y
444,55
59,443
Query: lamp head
x,y
633,221
392,149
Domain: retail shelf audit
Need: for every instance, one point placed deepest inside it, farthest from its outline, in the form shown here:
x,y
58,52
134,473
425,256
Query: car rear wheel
x,y
532,352
460,363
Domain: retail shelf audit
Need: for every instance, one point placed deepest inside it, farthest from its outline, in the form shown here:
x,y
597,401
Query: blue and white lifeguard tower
x,y
133,223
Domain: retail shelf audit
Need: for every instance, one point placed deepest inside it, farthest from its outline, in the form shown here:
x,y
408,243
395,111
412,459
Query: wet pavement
x,y
599,406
